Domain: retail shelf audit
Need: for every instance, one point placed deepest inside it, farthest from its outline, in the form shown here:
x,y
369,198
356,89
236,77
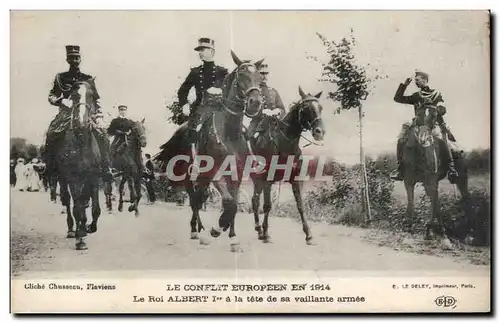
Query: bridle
x,y
241,95
309,125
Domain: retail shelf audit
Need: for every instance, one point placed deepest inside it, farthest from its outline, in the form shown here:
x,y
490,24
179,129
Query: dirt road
x,y
159,240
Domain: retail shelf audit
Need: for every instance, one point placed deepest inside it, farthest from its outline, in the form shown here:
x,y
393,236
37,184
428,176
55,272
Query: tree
x,y
352,88
31,151
17,147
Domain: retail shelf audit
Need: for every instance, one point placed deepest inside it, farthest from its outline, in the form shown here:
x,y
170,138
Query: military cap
x,y
205,43
72,50
421,73
122,107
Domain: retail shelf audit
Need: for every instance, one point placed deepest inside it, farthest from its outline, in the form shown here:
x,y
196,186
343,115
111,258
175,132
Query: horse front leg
x,y
66,202
79,214
297,193
134,185
437,222
257,190
234,244
96,209
138,193
53,189
267,209
120,192
108,190
410,196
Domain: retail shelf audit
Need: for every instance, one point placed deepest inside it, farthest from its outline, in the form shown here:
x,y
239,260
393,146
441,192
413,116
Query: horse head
x,y
82,95
140,132
308,111
245,86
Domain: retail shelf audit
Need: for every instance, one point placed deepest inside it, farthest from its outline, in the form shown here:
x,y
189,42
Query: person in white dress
x,y
20,170
32,176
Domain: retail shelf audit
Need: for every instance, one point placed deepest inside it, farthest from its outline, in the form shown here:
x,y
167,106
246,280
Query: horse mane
x,y
228,80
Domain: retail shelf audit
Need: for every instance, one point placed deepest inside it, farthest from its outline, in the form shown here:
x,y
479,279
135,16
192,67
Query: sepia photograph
x,y
250,161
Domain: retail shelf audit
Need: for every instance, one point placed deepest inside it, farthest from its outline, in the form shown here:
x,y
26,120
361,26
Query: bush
x,y
339,202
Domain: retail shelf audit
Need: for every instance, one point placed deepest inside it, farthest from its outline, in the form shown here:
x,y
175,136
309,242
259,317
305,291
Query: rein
x,y
302,127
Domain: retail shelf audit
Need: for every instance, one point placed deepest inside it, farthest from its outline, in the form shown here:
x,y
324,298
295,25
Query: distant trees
x,y
21,148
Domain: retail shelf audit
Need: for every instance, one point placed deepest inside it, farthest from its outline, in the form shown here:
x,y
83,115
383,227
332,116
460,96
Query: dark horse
x,y
126,162
282,139
425,160
78,161
221,138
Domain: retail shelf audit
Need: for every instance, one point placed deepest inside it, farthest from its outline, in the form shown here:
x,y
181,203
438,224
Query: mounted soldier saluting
x,y
60,96
271,106
206,78
425,99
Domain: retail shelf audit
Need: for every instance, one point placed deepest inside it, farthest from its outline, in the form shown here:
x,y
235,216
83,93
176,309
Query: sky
x,y
140,58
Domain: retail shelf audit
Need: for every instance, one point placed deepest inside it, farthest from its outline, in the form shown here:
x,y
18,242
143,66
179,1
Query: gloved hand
x,y
214,91
268,112
68,103
186,109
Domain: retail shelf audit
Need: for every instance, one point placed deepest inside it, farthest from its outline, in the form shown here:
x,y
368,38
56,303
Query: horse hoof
x,y
194,235
446,244
310,242
131,208
258,228
81,246
235,247
214,233
267,239
261,236
120,209
71,234
91,228
137,213
204,241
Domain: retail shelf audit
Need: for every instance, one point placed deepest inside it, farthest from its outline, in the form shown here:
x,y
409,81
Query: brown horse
x,y
221,138
78,161
282,139
425,160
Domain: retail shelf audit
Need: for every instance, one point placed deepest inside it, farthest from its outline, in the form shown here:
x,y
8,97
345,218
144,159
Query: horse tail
x,y
174,146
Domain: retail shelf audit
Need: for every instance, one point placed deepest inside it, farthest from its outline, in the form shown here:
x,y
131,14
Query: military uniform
x,y
62,89
271,100
421,100
120,127
202,77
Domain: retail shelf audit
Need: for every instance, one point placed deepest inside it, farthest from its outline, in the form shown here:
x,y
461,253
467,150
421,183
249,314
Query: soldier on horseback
x,y
422,100
120,127
206,78
271,106
59,96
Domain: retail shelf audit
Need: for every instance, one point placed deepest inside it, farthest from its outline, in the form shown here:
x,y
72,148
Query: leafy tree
x,y
352,85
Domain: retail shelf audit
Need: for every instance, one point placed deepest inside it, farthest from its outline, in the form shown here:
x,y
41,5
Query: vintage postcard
x,y
250,161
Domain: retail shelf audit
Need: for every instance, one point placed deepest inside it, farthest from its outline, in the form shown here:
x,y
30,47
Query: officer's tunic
x,y
270,100
202,78
61,89
420,100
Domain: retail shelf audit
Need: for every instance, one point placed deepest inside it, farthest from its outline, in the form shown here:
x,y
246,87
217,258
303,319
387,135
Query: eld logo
x,y
446,301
